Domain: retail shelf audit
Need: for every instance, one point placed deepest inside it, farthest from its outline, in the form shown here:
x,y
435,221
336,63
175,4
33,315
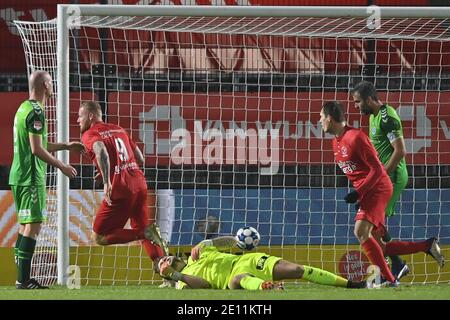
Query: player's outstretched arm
x,y
39,151
193,282
73,146
224,242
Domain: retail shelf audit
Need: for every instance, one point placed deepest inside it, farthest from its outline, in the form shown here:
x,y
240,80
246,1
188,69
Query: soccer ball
x,y
248,238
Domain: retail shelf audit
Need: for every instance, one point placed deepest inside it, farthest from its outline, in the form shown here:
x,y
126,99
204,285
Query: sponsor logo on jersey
x,y
344,151
347,166
37,125
374,131
261,262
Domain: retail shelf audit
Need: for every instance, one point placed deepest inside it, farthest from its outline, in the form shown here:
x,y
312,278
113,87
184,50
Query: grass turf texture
x,y
292,292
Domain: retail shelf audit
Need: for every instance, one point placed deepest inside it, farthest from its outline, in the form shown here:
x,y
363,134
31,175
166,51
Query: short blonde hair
x,y
92,107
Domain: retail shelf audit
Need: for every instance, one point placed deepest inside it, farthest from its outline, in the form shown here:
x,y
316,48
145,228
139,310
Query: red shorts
x,y
373,204
133,207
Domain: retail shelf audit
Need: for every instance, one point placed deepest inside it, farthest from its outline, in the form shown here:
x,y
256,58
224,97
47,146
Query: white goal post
x,y
428,24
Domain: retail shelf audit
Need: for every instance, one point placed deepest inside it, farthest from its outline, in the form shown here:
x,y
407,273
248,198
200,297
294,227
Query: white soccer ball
x,y
248,238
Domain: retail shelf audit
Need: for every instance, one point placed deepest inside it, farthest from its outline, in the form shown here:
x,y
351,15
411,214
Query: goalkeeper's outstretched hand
x,y
352,197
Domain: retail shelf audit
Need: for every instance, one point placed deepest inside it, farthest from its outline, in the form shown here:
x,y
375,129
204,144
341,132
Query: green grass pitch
x,y
292,292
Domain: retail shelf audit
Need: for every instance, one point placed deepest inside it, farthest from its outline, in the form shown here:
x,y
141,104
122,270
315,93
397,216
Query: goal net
x,y
225,102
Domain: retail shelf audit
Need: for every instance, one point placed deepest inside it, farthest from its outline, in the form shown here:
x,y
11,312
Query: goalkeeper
x,y
386,135
208,268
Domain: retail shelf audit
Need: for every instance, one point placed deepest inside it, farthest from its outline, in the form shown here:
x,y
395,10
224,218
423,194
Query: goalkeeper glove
x,y
352,197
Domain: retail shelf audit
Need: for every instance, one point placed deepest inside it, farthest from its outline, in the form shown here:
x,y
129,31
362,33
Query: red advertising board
x,y
153,117
203,121
10,102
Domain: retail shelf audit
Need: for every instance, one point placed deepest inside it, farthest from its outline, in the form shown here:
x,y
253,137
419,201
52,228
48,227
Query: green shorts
x,y
399,181
259,265
30,203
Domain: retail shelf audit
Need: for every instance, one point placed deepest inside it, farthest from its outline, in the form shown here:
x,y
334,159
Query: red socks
x,y
375,255
398,248
128,235
153,251
124,236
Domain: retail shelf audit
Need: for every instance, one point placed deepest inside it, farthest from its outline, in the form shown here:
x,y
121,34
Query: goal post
x,y
177,75
62,114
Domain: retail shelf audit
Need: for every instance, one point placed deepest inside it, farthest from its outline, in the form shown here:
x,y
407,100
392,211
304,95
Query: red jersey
x,y
356,156
125,174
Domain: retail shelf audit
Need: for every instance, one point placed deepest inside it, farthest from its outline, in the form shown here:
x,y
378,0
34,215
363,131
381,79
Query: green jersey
x,y
27,169
384,128
213,266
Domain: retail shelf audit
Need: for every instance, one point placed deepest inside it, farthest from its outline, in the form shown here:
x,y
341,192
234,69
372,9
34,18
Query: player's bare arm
x,y
39,151
219,242
101,154
224,242
73,146
398,154
139,156
193,282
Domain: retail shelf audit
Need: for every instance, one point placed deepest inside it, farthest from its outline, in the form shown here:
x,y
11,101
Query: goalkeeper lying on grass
x,y
209,268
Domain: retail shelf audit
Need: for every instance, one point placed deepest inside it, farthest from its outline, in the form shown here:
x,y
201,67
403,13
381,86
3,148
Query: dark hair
x,y
335,110
365,89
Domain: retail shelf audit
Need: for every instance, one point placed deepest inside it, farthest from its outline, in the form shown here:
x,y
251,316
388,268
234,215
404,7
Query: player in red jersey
x,y
117,159
356,156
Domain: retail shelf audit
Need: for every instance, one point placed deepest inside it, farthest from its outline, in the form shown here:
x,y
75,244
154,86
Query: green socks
x,y
320,276
16,249
312,274
25,254
251,283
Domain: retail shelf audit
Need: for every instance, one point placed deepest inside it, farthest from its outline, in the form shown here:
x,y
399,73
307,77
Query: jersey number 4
x,y
121,149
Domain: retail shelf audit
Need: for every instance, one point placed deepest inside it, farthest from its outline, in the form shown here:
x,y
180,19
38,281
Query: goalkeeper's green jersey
x,y
27,169
213,266
384,128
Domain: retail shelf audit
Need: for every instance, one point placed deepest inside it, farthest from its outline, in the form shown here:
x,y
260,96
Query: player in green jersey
x,y
207,267
386,134
27,176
